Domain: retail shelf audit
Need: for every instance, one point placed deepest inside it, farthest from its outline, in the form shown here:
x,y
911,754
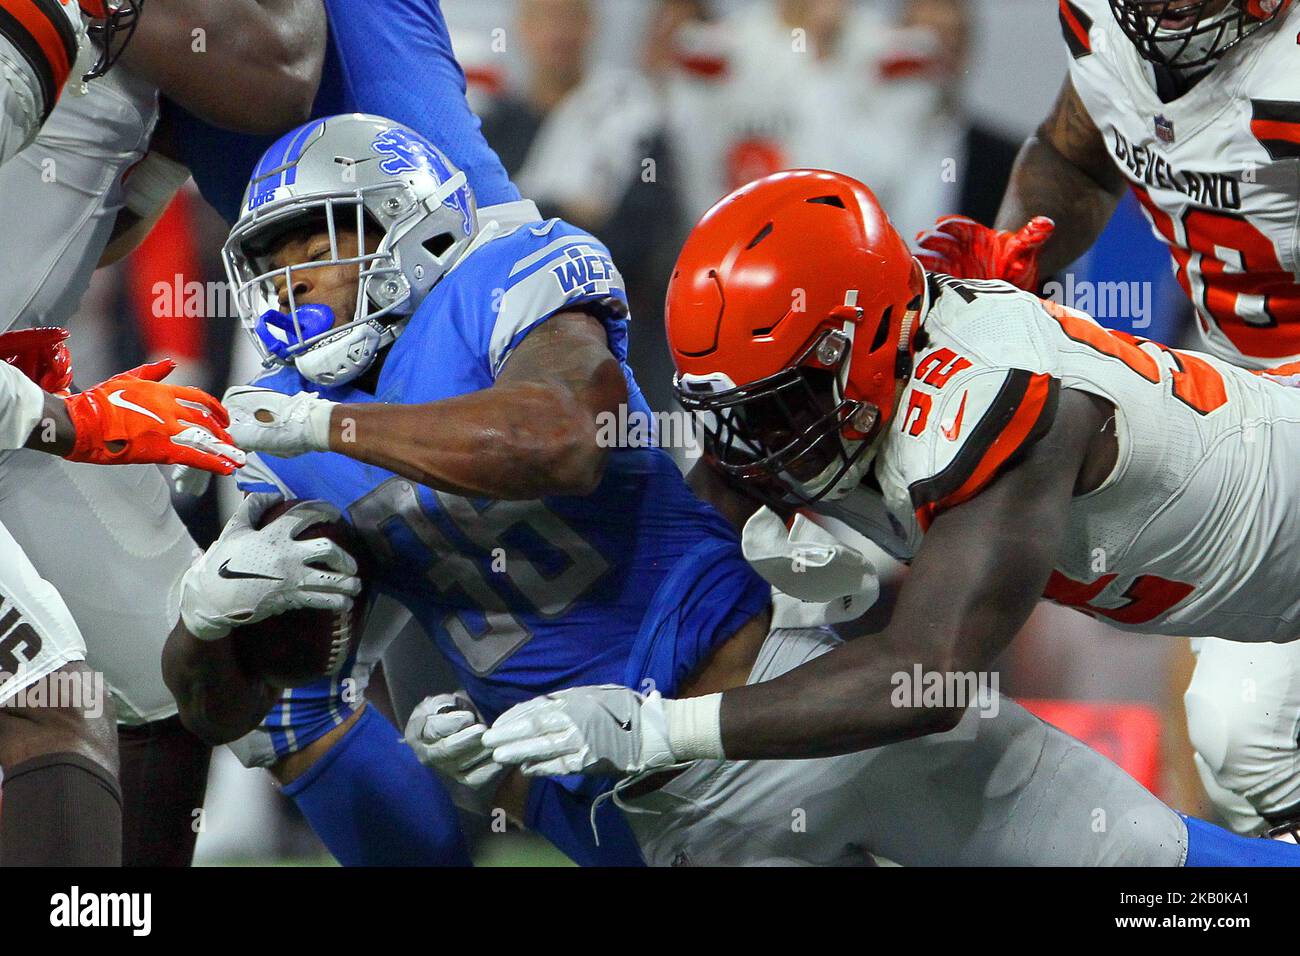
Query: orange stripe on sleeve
x,y
1022,413
1276,130
46,34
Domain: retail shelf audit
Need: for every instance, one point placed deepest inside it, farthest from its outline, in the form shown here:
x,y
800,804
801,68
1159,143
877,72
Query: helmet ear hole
x,y
439,244
882,330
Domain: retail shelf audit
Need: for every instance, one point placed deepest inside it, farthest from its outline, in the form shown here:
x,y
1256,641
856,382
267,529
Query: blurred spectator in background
x,y
173,303
784,83
586,142
636,147
974,160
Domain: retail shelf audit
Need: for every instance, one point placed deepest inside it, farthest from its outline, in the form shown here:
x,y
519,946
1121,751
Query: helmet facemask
x,y
336,353
1205,37
112,24
791,438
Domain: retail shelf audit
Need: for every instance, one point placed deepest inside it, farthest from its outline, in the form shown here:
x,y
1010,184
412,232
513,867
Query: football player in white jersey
x,y
1017,449
107,540
63,804
43,44
1194,105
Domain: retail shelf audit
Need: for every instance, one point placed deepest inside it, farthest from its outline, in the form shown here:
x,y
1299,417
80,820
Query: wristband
x,y
695,728
318,424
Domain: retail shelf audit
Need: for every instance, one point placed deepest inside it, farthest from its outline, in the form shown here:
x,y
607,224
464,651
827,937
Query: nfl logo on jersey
x,y
1164,129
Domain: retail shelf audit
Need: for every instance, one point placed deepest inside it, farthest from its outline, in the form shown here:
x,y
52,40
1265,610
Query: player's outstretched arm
x,y
137,419
1063,172
979,573
132,418
532,434
248,65
981,569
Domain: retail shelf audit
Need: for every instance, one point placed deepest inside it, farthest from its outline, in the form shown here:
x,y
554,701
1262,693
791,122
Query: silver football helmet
x,y
350,172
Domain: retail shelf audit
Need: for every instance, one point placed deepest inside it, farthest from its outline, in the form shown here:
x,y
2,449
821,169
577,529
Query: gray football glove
x,y
604,731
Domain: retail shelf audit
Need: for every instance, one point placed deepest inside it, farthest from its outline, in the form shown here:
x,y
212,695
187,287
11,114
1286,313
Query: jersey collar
x,y
497,221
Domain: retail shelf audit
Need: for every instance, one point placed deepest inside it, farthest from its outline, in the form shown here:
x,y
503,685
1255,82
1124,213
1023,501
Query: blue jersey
x,y
635,584
392,58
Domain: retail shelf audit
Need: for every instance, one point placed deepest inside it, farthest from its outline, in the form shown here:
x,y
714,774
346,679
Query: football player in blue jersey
x,y
383,56
477,348
438,372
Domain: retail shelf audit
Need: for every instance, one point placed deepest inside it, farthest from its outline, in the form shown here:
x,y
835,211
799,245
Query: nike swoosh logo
x,y
954,430
115,398
623,724
225,572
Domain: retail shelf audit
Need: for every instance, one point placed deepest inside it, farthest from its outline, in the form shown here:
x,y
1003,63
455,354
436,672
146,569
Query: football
x,y
298,647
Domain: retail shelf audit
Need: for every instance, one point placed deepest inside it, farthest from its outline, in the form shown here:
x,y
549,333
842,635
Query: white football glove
x,y
249,575
446,733
604,731
262,419
189,482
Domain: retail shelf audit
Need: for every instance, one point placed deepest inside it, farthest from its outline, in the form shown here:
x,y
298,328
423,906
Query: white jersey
x,y
772,103
1215,169
1195,530
104,540
21,403
60,197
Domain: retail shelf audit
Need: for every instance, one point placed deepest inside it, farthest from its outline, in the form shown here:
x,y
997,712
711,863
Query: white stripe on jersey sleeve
x,y
578,269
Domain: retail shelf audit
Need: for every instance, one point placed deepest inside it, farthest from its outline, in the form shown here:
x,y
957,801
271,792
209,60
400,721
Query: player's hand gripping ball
x,y
285,584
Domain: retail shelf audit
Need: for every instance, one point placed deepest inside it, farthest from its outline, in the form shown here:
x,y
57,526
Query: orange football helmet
x,y
790,316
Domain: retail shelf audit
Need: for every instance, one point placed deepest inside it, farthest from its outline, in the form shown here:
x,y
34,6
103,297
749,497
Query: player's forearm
x,y
515,441
54,433
1044,182
218,701
842,702
248,65
954,616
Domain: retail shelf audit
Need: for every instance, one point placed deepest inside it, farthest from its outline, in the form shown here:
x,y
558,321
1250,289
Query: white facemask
x,y
1170,42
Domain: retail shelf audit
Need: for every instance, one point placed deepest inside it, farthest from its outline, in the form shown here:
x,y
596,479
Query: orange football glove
x,y
133,418
40,354
960,246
